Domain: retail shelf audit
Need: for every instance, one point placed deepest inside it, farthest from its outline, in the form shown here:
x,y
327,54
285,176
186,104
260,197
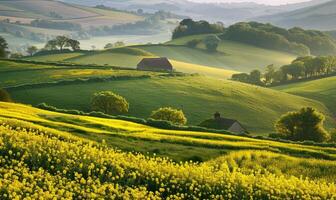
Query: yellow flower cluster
x,y
36,164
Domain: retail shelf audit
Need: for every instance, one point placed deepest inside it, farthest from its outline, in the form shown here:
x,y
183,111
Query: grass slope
x,y
322,90
130,57
198,96
314,17
232,56
230,152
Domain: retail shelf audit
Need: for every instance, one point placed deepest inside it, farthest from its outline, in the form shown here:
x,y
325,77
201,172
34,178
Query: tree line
x,y
189,27
295,40
302,68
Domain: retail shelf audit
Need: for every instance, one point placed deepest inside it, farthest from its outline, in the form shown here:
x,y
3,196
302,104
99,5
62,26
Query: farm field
x,y
189,92
322,90
76,152
165,100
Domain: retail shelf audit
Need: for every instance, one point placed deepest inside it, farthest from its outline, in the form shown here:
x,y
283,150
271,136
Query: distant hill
x,y
28,10
226,12
321,16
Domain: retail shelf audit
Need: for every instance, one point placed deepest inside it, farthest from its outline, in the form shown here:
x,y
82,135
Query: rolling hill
x,y
16,18
71,156
44,9
147,91
322,90
230,58
319,16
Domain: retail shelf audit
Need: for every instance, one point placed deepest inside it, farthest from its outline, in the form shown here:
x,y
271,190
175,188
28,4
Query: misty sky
x,y
270,2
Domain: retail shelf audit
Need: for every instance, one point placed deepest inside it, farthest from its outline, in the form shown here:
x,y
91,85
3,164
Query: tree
x,y
211,43
32,50
74,44
119,44
296,69
108,46
3,47
4,96
242,77
109,103
61,42
169,114
51,45
189,27
255,77
269,74
305,124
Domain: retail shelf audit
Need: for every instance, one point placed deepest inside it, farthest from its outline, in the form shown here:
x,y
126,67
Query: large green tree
x,y
61,42
305,124
109,103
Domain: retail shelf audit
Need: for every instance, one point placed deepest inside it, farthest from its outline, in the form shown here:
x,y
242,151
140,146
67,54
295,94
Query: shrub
x,y
169,114
333,135
193,43
109,103
4,96
306,124
211,43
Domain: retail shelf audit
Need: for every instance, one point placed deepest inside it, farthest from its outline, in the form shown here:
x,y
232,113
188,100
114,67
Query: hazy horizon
x,y
269,2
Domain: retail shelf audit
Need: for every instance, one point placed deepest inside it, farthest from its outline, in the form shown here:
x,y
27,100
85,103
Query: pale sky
x,y
270,2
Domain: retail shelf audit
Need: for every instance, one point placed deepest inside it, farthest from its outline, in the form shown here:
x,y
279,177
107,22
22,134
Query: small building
x,y
155,64
221,123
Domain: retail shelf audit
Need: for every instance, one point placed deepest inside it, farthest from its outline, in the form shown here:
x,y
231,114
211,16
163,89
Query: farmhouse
x,y
155,64
220,123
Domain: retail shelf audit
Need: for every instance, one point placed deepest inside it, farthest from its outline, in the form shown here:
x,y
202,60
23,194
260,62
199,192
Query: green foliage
x,y
333,135
211,43
295,40
306,67
4,96
193,43
189,27
109,103
32,50
253,78
3,47
74,44
60,42
306,124
169,114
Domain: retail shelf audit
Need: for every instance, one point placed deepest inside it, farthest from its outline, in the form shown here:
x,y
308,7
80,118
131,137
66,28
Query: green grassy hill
x,y
197,95
232,57
70,156
322,90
